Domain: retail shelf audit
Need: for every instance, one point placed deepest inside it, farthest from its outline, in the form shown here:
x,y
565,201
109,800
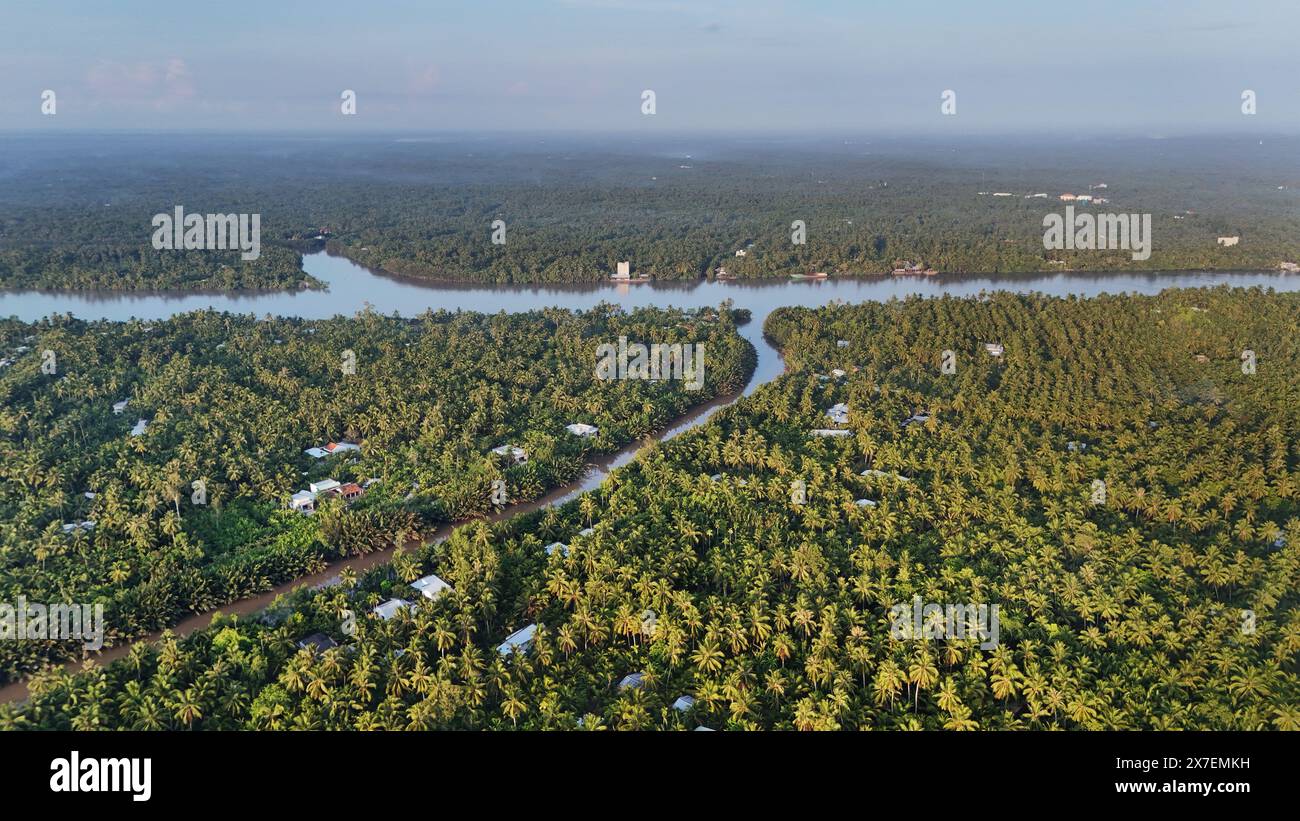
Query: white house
x,y
141,425
73,527
391,608
1075,447
431,587
322,485
827,432
624,271
521,640
303,501
865,503
1228,242
582,429
517,454
118,407
838,373
741,252
993,348
839,413
917,419
841,343
560,546
683,703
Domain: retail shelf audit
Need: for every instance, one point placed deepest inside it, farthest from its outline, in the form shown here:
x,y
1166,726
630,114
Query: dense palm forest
x,y
233,402
78,216
754,567
75,264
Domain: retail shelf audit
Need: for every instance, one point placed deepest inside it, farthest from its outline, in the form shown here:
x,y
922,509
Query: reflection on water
x,y
353,287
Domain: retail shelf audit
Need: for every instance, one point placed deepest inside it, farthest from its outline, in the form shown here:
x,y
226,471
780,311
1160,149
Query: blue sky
x,y
1164,67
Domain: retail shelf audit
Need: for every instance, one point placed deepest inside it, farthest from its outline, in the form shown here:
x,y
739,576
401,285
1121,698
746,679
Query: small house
x,y
560,546
521,640
322,485
839,413
1228,242
994,348
303,501
518,455
349,491
118,407
582,429
683,704
317,641
633,681
141,425
829,432
431,587
391,608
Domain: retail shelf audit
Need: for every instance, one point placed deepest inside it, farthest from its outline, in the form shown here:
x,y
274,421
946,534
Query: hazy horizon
x,y
722,67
